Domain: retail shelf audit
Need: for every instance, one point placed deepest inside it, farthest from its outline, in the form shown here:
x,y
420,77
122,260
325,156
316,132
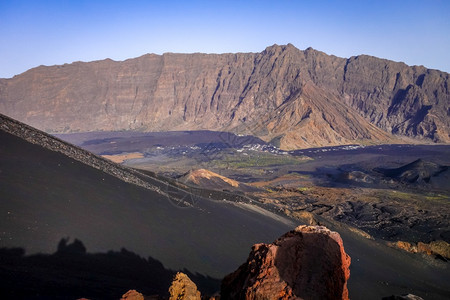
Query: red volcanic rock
x,y
406,246
424,248
132,295
306,263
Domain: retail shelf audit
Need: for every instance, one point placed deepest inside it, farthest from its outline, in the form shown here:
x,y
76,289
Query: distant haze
x,y
37,33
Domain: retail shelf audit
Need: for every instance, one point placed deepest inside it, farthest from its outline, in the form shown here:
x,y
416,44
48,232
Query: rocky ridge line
x,y
296,99
47,141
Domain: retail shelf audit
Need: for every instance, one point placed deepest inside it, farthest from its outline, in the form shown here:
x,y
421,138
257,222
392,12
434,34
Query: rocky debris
x,y
294,98
306,263
406,246
358,176
132,295
183,288
435,248
403,297
389,214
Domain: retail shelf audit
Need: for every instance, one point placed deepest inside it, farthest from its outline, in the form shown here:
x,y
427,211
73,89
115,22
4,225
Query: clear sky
x,y
39,32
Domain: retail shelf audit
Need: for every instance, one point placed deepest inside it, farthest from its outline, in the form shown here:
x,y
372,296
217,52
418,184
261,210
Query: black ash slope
x,y
46,196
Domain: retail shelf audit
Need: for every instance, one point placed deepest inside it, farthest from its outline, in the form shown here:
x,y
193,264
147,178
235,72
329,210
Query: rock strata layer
x,y
307,263
291,97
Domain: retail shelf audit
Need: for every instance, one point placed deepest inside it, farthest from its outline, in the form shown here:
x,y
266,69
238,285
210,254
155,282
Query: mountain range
x,y
292,98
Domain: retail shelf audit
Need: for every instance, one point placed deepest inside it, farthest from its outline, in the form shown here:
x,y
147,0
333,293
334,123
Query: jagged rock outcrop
x,y
197,176
210,180
183,288
438,248
132,295
291,97
306,263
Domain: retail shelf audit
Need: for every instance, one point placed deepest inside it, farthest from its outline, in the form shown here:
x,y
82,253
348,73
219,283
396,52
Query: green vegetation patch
x,y
438,198
258,160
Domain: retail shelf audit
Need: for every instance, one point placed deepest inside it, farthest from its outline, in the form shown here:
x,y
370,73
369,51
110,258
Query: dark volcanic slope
x,y
297,98
34,136
417,171
46,195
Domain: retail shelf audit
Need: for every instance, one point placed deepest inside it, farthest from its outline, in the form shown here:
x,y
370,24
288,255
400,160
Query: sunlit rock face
x,y
132,295
291,97
183,288
307,263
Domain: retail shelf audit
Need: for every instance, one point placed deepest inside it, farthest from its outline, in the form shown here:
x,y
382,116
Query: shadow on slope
x,y
47,195
72,273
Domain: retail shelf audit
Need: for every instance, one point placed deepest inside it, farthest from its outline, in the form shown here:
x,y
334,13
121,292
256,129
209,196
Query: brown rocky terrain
x,y
209,180
183,288
291,97
307,263
50,190
132,295
375,213
196,176
440,248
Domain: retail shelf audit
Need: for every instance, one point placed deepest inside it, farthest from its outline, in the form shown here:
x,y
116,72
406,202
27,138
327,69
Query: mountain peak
x,y
275,48
249,93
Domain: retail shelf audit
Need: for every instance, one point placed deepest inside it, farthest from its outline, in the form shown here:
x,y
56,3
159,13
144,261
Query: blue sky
x,y
34,33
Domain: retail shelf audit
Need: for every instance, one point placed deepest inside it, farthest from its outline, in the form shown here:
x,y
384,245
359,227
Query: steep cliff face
x,y
296,98
410,101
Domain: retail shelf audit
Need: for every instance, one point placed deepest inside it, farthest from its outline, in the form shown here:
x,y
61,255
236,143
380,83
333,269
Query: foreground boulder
x,y
306,263
132,295
183,288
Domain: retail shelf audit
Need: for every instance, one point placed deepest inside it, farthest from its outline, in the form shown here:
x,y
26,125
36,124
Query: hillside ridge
x,y
294,98
55,144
